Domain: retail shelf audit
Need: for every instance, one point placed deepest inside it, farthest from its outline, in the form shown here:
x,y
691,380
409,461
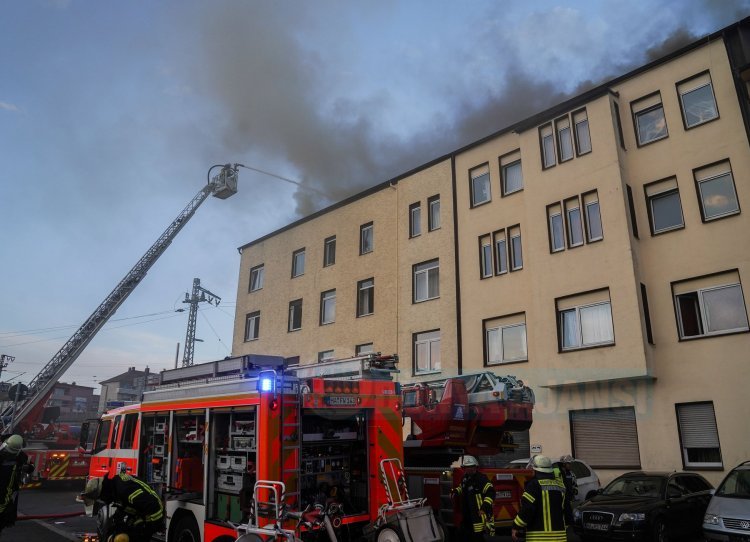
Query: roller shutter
x,y
699,434
606,438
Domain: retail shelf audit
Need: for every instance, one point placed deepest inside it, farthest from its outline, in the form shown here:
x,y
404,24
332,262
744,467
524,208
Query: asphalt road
x,y
43,501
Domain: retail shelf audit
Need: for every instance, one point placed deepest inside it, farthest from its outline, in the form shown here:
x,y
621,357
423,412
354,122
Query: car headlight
x,y
576,514
711,519
640,516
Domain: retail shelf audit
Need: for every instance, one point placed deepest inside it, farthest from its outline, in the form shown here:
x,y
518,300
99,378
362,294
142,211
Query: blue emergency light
x,y
267,381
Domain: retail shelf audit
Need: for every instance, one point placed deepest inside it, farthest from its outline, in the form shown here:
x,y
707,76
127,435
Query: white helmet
x,y
469,461
542,463
91,494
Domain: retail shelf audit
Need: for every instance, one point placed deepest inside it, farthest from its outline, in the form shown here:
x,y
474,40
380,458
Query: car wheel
x,y
659,532
389,533
186,530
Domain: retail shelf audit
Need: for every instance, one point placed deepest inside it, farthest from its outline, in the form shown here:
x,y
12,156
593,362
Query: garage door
x,y
606,438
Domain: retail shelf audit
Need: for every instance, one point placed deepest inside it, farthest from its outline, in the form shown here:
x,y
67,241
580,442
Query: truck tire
x,y
186,530
389,533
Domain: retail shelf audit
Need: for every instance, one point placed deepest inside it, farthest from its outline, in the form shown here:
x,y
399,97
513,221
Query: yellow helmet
x,y
12,444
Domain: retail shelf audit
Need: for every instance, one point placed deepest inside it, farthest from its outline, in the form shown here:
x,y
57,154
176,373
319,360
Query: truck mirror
x,y
84,437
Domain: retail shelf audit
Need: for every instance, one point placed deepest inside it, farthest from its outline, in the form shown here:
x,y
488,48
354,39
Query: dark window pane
x,y
480,188
566,144
699,106
575,228
517,253
512,177
725,309
651,125
583,139
666,211
594,221
548,147
556,227
502,256
690,316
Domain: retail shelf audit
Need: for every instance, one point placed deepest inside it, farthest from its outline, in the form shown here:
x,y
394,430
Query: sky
x,y
112,113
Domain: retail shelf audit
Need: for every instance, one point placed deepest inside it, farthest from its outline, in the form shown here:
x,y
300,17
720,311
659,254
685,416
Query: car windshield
x,y
736,484
640,486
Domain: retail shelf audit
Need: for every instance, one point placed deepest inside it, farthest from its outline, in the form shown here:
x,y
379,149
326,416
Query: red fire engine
x,y
244,446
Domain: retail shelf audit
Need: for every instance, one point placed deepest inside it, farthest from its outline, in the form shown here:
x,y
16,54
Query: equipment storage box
x,y
160,427
243,443
159,450
228,508
238,463
231,483
224,462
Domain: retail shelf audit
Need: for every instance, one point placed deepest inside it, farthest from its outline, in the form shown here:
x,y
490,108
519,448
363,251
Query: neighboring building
x,y
76,403
125,388
597,250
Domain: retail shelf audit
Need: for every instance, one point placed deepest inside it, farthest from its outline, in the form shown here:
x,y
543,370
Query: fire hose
x,y
49,516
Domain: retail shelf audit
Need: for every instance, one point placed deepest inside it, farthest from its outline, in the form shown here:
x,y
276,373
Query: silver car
x,y
728,514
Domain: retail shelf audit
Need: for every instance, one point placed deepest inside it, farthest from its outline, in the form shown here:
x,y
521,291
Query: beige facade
x,y
598,250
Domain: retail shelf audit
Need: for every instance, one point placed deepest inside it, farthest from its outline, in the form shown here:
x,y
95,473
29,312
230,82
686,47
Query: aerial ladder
x,y
23,415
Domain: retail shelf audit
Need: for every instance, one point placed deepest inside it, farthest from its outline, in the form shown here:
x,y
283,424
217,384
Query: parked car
x,y
728,515
586,479
645,506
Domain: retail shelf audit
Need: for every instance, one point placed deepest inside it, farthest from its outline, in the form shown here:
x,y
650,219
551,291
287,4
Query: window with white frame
x,y
593,218
252,326
511,173
433,213
365,297
485,256
328,307
415,219
697,100
574,222
564,139
295,315
556,228
501,252
649,119
664,206
426,352
547,142
585,320
516,250
366,239
480,185
582,135
699,435
426,280
256,277
298,262
329,251
718,195
505,339
325,355
713,305
362,349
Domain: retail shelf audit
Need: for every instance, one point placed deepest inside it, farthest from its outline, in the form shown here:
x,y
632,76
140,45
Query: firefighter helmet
x,y
541,463
566,459
12,444
469,461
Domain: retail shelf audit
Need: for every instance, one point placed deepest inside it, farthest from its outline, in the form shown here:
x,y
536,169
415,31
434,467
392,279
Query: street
x,y
39,502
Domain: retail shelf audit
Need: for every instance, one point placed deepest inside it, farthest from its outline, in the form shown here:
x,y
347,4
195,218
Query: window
x,y
575,226
716,191
650,123
329,251
501,253
618,124
295,315
426,280
699,436
713,305
328,307
480,185
128,431
113,438
415,219
606,437
366,238
433,213
256,277
697,100
664,206
556,231
511,172
362,349
505,340
646,314
592,217
325,355
564,139
631,208
365,297
102,434
546,139
585,320
485,256
516,253
252,326
298,263
426,352
583,138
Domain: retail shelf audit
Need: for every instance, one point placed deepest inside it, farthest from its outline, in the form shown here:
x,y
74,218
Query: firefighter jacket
x,y
12,468
543,508
134,497
477,495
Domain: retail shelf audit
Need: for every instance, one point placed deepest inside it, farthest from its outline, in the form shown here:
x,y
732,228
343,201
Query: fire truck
x,y
248,447
467,414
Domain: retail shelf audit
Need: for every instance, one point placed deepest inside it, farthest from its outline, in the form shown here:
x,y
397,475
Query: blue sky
x,y
112,112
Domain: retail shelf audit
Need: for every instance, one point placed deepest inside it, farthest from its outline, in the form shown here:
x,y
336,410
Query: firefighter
x,y
571,484
140,511
476,495
544,505
13,465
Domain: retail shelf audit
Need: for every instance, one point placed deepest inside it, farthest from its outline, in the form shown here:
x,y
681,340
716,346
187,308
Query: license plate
x,y
596,527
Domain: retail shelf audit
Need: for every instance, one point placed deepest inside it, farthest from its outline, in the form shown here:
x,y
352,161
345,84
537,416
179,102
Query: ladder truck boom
x,y
221,186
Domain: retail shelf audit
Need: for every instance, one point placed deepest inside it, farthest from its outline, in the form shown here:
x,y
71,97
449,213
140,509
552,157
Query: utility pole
x,y
4,361
199,295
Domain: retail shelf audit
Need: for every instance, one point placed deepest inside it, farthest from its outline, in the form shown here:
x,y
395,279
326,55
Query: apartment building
x,y
598,250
